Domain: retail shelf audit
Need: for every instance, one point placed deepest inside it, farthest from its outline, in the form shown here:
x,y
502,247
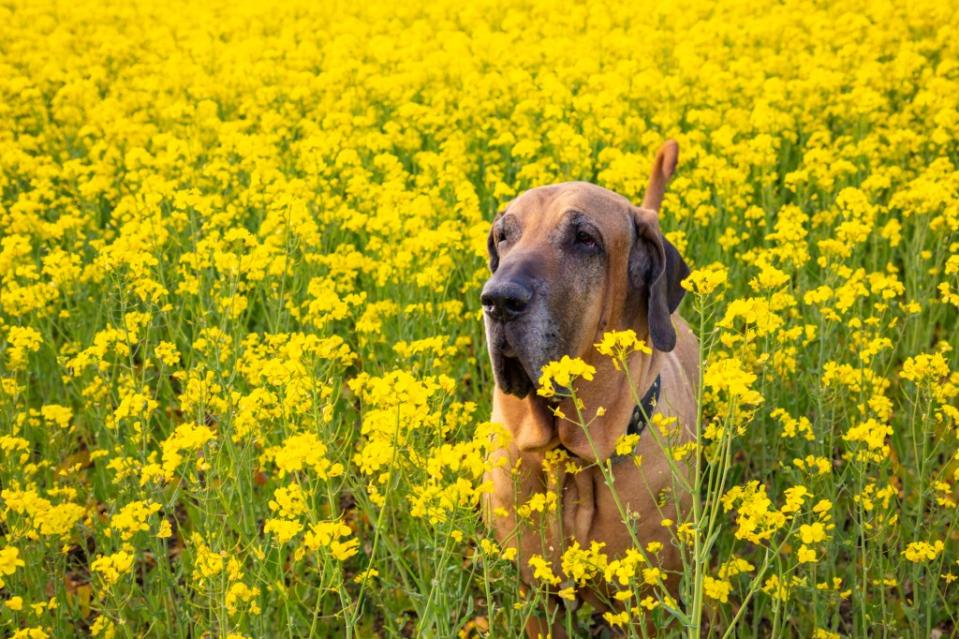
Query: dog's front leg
x,y
550,625
579,506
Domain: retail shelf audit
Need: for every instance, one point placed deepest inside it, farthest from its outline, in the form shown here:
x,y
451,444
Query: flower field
x,y
244,388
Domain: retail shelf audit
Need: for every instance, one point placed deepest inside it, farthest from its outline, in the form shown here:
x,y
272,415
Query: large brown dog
x,y
570,262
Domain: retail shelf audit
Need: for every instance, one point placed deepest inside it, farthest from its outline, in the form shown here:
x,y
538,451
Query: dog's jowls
x,y
570,262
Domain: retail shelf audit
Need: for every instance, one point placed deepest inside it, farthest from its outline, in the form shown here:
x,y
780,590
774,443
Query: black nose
x,y
505,301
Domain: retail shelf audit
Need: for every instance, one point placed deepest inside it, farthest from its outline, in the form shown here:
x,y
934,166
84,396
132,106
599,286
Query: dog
x,y
570,262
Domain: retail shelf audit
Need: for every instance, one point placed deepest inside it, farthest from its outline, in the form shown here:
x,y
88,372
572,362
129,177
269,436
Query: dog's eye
x,y
500,235
586,240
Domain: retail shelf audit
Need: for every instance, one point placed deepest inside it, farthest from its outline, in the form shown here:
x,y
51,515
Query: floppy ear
x,y
655,266
657,269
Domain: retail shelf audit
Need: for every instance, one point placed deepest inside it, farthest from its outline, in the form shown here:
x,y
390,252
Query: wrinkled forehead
x,y
547,206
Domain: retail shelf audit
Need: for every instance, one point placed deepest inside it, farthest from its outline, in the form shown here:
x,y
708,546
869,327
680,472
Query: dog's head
x,y
571,261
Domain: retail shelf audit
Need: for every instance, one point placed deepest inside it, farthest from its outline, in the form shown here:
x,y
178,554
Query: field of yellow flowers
x,y
243,382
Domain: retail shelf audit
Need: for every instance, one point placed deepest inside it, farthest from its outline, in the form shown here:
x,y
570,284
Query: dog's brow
x,y
576,216
509,225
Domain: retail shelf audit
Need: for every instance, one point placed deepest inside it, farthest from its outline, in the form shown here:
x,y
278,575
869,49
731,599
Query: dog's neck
x,y
537,428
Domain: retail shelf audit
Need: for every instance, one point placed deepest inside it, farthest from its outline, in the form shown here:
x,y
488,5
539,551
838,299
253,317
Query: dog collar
x,y
641,414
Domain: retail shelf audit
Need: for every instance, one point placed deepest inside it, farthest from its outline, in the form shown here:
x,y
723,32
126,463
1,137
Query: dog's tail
x,y
663,167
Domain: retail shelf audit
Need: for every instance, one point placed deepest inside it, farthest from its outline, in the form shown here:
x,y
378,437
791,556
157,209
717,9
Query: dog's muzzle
x,y
505,301
510,303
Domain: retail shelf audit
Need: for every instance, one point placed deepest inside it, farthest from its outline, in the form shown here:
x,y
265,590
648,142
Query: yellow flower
x,y
626,444
805,554
581,564
921,551
331,536
617,620
543,570
206,562
769,277
795,497
22,340
283,529
756,519
301,451
112,567
167,353
559,376
794,426
48,519
735,566
239,593
186,438
366,575
727,376
133,517
717,589
9,562
814,465
620,344
925,368
57,414
652,576
872,435
705,280
538,503
289,501
812,533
